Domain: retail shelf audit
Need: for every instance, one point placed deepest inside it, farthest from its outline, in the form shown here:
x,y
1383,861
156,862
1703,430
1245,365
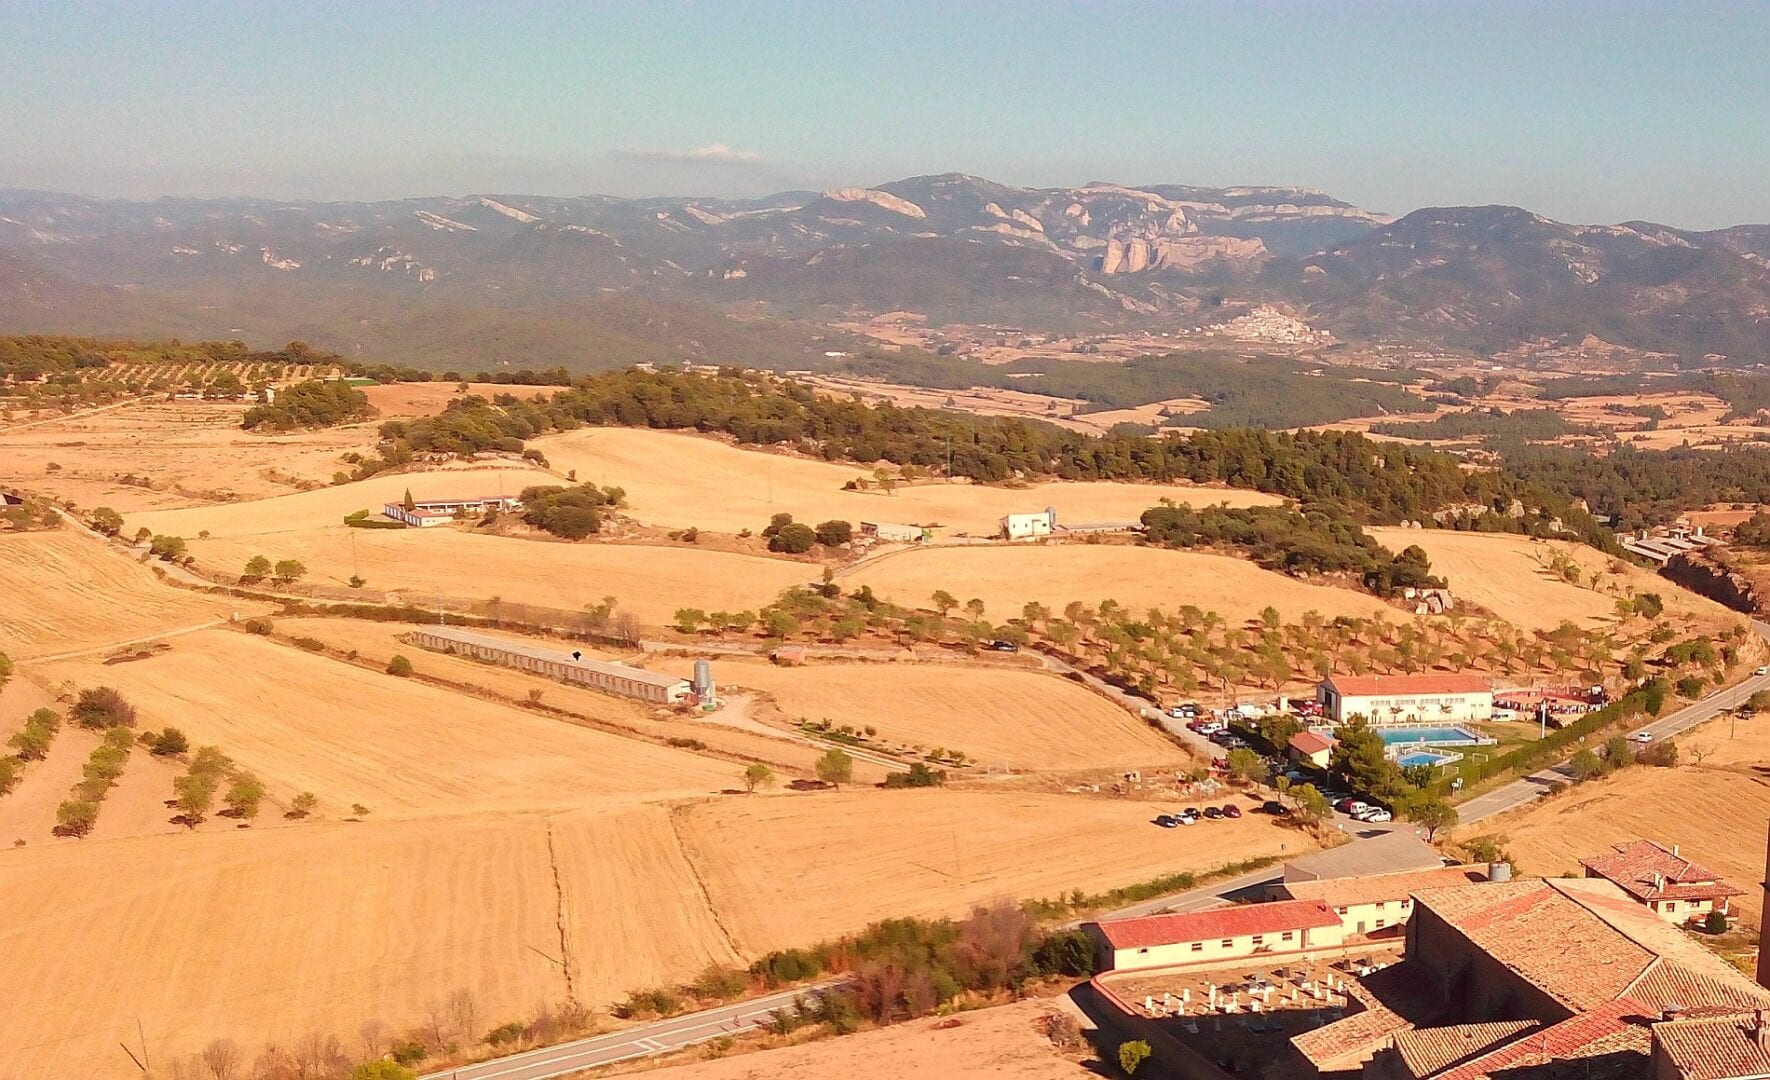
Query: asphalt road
x,y
672,1034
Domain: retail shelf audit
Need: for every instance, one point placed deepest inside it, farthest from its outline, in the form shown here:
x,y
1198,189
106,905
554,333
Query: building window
x,y
1381,923
1143,951
1228,942
1198,946
1286,936
1258,940
1381,904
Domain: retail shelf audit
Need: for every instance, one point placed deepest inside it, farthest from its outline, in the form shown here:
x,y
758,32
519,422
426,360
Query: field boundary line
x,y
560,917
700,882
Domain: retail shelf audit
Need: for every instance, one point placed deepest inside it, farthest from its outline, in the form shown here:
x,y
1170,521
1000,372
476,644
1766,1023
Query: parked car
x,y
1764,671
1374,815
1213,813
1189,812
1351,805
1166,821
999,645
1230,810
1272,806
1642,736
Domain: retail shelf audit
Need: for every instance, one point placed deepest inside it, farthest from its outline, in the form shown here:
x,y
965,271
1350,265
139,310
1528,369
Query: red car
x,y
1231,810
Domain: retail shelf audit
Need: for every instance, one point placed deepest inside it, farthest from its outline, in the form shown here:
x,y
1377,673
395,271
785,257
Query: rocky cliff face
x,y
1133,254
1702,573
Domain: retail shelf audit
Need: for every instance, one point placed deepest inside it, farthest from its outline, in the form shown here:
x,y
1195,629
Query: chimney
x,y
1764,953
1671,1011
1674,851
1760,1030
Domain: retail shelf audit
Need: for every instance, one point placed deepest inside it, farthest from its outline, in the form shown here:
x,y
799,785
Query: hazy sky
x,y
1588,112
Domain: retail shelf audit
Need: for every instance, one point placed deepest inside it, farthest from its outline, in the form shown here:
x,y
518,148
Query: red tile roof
x,y
1385,685
1428,1050
1715,1047
1649,871
1613,1028
1309,742
1239,920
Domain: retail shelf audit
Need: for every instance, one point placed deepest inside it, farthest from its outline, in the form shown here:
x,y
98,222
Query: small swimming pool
x,y
1425,757
1430,736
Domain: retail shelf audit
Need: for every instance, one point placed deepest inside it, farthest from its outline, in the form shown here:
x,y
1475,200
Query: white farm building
x,y
652,686
423,515
1028,526
1406,699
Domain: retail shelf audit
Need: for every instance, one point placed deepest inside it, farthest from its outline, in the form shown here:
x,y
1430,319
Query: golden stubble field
x,y
998,716
192,452
785,871
64,592
1006,577
1508,575
679,480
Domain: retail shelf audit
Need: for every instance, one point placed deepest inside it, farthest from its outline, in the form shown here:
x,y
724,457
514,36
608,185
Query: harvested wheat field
x,y
1006,577
349,735
787,870
263,935
378,642
1714,814
1510,576
677,481
188,453
1005,1043
302,512
431,398
650,581
66,592
997,716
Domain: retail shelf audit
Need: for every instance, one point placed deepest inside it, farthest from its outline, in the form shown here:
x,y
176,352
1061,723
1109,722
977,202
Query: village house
x,y
1310,748
1029,526
1406,699
1373,903
1216,935
1670,885
424,514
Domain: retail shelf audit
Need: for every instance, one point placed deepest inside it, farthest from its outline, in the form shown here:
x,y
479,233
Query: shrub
x,y
75,817
106,520
1715,922
408,1052
399,666
258,626
1132,1055
720,983
835,767
32,742
166,743
659,1001
1663,754
311,644
834,533
682,743
302,806
506,1033
919,775
103,707
793,539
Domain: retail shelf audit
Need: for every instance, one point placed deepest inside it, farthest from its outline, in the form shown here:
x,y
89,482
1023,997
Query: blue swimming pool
x,y
1425,757
1431,736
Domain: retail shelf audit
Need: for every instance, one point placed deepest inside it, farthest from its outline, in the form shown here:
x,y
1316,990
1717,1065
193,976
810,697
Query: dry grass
x,y
192,452
63,591
997,716
787,870
1006,577
650,581
303,512
431,398
1005,1042
377,643
306,723
677,481
1509,576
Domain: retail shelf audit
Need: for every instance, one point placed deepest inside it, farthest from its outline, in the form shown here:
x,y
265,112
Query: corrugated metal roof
x,y
555,656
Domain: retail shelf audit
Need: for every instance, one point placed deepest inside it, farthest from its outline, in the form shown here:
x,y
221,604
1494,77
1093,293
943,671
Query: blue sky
x,y
1583,111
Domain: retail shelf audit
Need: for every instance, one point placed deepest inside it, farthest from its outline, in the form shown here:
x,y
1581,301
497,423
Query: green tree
x,y
794,539
244,794
167,743
1432,814
779,624
834,533
193,794
303,805
76,817
399,666
289,571
257,568
1244,764
167,547
1132,1055
944,602
835,767
382,1070
757,775
1616,752
107,521
1312,806
1586,765
102,707
1359,759
689,619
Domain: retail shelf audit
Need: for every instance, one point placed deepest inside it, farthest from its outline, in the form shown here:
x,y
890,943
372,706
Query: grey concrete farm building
x,y
652,686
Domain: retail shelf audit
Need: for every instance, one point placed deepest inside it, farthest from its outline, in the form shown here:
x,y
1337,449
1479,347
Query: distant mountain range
x,y
483,280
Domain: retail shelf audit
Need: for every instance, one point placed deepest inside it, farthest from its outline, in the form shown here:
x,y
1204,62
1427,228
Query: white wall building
x,y
893,532
1027,526
1406,699
431,512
